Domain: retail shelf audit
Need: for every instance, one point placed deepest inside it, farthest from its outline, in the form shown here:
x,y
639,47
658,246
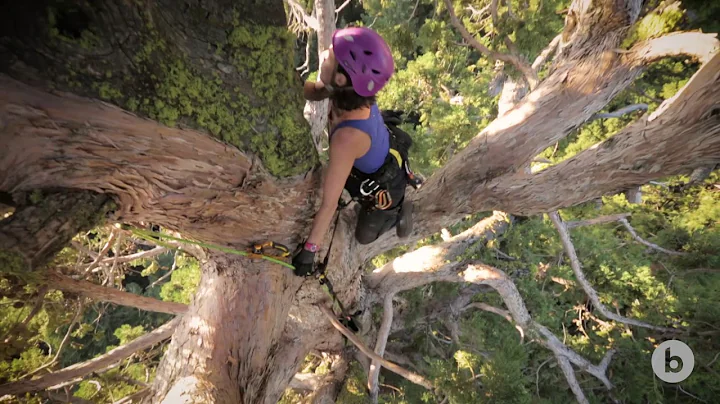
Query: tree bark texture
x,y
37,231
236,344
251,324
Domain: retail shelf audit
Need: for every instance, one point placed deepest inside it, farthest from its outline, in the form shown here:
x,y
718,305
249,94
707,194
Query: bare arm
x,y
347,144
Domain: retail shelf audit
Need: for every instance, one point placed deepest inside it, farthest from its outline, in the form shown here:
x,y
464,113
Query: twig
x,y
103,252
136,256
589,290
172,269
500,312
647,243
412,376
417,2
537,376
523,67
342,6
597,220
79,311
691,395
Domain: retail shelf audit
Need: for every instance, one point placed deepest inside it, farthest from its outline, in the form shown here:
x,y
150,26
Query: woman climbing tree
x,y
364,157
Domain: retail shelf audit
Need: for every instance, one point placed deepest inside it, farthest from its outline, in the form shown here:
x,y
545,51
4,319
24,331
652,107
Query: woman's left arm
x,y
343,152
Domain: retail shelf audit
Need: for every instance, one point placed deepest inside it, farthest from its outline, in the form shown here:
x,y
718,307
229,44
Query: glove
x,y
304,262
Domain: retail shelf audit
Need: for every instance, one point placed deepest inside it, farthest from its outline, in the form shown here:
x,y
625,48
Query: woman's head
x,y
365,58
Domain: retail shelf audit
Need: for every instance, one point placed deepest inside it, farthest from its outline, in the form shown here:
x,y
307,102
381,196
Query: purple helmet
x,y
365,57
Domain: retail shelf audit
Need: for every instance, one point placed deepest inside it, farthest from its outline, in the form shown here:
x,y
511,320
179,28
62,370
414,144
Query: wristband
x,y
311,247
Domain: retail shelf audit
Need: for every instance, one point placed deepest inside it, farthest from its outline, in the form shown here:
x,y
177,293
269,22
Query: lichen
x,y
659,22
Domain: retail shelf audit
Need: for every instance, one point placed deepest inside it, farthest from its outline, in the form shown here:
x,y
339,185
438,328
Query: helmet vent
x,y
364,68
352,55
367,52
375,71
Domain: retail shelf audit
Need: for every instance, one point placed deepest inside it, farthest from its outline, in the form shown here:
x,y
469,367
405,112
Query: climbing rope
x,y
256,250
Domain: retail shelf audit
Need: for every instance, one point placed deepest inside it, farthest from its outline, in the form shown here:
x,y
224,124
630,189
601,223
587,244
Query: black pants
x,y
372,223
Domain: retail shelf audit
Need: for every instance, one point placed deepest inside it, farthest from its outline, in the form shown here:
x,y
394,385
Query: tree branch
x,y
589,290
103,252
81,369
119,297
515,60
380,344
620,112
696,44
136,256
544,56
647,243
411,376
597,220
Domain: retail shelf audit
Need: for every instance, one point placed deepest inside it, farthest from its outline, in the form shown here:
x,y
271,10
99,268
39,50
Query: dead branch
x,y
301,18
119,297
136,256
428,258
413,377
597,220
544,56
642,241
135,397
81,369
380,344
515,60
620,112
113,235
569,373
589,290
65,339
496,310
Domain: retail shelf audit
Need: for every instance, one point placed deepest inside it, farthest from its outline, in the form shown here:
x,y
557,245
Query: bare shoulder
x,y
351,138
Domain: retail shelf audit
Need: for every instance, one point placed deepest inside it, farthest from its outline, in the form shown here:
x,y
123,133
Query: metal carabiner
x,y
374,186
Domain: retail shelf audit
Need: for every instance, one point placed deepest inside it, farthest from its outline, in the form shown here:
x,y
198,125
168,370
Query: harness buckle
x,y
368,187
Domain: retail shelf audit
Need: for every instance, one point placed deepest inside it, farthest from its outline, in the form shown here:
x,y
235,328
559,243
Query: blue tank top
x,y
375,127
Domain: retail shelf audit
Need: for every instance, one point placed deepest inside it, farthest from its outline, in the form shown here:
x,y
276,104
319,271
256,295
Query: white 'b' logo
x,y
673,361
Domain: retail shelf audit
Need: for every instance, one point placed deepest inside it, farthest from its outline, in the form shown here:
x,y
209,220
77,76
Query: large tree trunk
x,y
251,324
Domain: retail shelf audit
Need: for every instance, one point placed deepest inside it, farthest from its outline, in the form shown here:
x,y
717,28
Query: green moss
x,y
655,24
12,263
107,91
36,196
264,53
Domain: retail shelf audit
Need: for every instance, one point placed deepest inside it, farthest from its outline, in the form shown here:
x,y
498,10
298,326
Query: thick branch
x,y
81,369
521,65
411,376
682,135
104,294
699,45
587,287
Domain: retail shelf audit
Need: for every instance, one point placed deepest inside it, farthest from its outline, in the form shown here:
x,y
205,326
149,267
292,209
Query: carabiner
x,y
373,186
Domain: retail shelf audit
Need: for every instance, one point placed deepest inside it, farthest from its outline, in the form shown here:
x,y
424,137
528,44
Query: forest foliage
x,y
449,92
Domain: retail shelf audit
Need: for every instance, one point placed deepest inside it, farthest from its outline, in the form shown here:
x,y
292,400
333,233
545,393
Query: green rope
x,y
151,236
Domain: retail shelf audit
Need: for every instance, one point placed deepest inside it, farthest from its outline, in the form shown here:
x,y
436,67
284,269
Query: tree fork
x,y
38,230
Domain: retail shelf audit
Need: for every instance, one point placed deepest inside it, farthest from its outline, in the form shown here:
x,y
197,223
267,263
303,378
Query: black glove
x,y
304,262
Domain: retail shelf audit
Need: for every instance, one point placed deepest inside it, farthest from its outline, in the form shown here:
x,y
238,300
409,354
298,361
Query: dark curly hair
x,y
346,99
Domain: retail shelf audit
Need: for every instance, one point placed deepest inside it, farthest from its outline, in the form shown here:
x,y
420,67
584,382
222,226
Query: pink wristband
x,y
311,247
